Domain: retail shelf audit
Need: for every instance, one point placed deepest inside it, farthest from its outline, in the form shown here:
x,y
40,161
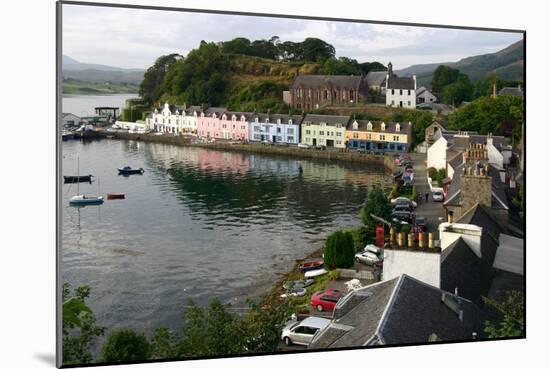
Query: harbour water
x,y
83,105
197,224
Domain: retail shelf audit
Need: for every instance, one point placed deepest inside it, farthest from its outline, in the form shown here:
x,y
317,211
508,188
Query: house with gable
x,y
402,310
275,128
376,136
400,91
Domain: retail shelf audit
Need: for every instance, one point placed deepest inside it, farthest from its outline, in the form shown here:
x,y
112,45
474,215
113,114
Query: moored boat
x,y
129,170
115,196
82,200
310,264
75,179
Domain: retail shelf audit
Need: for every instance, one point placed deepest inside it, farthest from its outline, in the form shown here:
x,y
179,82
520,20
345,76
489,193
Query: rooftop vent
x,y
453,304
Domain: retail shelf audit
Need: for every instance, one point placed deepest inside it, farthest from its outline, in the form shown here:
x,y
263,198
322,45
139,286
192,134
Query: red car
x,y
326,300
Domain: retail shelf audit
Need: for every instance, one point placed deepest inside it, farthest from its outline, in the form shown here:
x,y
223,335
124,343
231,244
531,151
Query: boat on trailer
x,y
127,170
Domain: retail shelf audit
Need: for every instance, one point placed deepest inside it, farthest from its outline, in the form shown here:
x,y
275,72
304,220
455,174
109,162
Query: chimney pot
x,y
431,240
450,216
410,240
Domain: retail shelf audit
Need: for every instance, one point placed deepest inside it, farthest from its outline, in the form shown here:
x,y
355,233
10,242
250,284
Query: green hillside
x,y
507,64
77,87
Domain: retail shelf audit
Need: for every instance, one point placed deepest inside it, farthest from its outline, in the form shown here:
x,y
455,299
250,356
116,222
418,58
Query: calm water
x,y
83,105
197,224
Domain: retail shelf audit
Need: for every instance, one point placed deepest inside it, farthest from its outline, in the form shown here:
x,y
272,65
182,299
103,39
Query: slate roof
x,y
402,310
376,78
479,216
401,83
377,126
317,80
330,120
454,158
296,118
463,270
510,254
511,91
499,198
211,110
453,192
462,142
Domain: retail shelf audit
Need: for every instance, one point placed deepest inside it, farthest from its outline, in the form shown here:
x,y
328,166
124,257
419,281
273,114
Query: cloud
x,y
135,38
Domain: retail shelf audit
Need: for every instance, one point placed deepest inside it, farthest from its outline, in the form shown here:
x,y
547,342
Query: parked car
x,y
326,300
403,207
402,216
374,249
403,200
437,195
421,223
368,258
303,146
301,333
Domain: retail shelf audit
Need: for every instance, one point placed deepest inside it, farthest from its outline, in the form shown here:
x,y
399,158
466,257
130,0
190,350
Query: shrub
x,y
339,250
441,175
377,203
125,345
432,172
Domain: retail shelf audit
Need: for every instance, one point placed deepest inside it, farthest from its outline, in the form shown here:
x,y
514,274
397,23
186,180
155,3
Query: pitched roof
x,y
401,310
376,78
463,140
328,119
510,254
454,158
377,126
490,234
316,80
285,118
463,270
511,91
401,83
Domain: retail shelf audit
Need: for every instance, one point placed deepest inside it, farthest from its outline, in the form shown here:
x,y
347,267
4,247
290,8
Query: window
x,y
338,125
393,102
278,129
321,133
308,132
368,136
356,135
382,137
256,136
322,124
392,92
408,103
290,138
338,134
290,131
400,92
396,138
308,123
279,138
256,129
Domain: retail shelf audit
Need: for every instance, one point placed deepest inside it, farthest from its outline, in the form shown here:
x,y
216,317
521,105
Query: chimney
x,y
450,216
410,240
494,90
431,240
470,233
392,236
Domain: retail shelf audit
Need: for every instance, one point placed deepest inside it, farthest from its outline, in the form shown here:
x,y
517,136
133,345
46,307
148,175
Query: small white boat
x,y
80,200
315,273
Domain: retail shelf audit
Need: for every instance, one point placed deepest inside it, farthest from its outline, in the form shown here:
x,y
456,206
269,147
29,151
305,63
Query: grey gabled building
x,y
402,310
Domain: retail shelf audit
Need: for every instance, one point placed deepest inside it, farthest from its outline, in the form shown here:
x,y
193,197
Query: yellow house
x,y
378,136
324,130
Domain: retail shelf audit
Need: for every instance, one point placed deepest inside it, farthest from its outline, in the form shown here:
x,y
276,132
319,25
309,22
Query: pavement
x,y
430,210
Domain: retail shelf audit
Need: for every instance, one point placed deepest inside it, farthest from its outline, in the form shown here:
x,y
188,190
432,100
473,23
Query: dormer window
x,y
267,120
214,115
233,118
383,126
256,120
202,115
397,127
355,125
242,118
290,121
369,126
278,121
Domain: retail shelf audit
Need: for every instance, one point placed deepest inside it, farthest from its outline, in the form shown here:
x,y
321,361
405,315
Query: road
x,y
431,210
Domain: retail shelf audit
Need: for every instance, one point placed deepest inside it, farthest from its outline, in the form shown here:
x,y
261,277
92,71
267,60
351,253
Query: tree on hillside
x,y
485,115
372,67
457,92
201,77
239,45
377,203
150,88
442,77
340,66
314,49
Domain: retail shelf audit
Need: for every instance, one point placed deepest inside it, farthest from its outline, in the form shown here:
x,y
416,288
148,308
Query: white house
x,y
499,154
400,91
174,119
423,95
424,266
276,128
70,120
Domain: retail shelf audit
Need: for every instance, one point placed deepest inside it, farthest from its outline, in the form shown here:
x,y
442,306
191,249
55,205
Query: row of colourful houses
x,y
338,131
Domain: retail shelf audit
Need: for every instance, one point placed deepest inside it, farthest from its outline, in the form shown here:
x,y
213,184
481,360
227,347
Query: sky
x,y
132,38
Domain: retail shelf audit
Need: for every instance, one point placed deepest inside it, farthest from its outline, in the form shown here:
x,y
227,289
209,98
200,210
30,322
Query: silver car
x,y
301,333
368,258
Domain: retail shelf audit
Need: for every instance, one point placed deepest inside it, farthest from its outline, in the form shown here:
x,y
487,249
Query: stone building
x,y
311,91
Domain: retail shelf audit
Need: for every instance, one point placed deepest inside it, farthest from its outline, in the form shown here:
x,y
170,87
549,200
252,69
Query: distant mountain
x,y
87,72
507,63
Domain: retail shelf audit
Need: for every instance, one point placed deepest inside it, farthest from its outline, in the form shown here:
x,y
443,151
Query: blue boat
x,y
127,170
83,200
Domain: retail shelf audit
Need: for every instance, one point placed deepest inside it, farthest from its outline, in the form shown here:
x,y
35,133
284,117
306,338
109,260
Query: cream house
x,y
324,130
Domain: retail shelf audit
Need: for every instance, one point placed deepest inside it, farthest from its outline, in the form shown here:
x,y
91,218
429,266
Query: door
x,y
314,142
330,143
300,336
274,138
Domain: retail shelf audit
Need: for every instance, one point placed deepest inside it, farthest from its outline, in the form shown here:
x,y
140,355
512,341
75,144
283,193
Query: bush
x,y
377,203
432,173
339,250
441,175
125,345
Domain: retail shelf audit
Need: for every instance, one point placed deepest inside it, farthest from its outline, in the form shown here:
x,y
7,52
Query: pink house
x,y
209,124
217,123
